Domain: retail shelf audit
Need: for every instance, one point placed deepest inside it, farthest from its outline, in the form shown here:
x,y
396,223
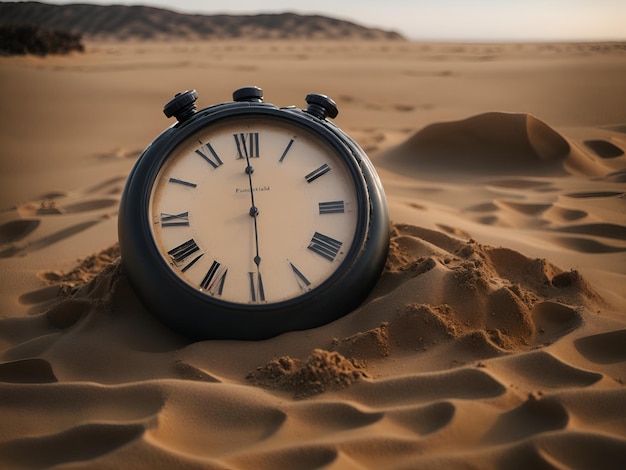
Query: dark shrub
x,y
32,39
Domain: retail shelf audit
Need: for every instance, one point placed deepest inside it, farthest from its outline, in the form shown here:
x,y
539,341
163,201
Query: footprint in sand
x,y
585,238
414,389
564,214
54,207
79,444
19,237
614,231
111,186
595,194
483,207
40,296
258,422
554,320
119,153
457,232
52,195
525,208
40,299
591,245
323,455
93,420
43,242
15,230
530,418
424,420
522,184
547,371
59,203
68,313
87,206
332,416
186,371
32,371
604,348
587,245
400,107
604,148
618,176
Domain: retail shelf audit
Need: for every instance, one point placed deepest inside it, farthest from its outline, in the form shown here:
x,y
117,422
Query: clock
x,y
245,220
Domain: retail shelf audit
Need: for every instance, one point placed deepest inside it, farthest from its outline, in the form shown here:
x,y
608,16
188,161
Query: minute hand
x,y
254,211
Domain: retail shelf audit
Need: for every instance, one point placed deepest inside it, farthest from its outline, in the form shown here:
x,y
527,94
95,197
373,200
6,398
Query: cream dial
x,y
254,211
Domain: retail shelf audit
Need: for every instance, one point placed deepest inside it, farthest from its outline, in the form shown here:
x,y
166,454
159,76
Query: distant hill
x,y
117,22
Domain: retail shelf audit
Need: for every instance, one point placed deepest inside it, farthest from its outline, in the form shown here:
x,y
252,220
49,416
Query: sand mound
x,y
85,271
320,372
462,290
492,142
436,289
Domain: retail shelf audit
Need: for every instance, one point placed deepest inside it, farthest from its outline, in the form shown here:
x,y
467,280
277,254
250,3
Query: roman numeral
x,y
192,262
211,159
175,220
332,207
286,150
183,182
213,281
247,145
257,293
324,246
303,282
184,251
317,173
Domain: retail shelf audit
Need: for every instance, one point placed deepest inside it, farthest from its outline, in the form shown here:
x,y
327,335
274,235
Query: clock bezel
x,y
205,316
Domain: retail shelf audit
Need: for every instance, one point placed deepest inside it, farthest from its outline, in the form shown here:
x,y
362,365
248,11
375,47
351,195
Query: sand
x,y
496,337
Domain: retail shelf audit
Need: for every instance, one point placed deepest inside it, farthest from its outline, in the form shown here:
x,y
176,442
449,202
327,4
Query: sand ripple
x,y
466,354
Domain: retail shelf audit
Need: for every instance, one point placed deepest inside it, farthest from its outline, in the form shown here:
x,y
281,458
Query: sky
x,y
473,20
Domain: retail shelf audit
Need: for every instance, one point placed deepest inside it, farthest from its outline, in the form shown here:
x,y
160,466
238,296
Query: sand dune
x,y
495,337
498,142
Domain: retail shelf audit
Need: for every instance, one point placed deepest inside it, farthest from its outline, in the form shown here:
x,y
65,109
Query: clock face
x,y
253,210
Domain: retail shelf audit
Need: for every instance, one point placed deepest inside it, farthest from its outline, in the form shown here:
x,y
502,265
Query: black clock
x,y
245,220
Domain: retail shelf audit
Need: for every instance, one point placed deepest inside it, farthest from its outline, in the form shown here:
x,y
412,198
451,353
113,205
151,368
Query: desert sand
x,y
496,337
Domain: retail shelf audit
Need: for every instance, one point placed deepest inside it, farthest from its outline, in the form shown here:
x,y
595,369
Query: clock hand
x,y
254,212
